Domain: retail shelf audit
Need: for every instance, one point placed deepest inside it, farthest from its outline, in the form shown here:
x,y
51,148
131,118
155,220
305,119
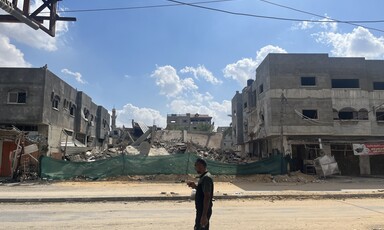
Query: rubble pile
x,y
161,149
297,176
225,156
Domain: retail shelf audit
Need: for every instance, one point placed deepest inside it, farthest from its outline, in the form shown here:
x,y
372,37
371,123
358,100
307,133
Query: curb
x,y
188,198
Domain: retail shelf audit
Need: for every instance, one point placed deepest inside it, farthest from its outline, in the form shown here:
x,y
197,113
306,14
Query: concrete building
x,y
306,105
51,111
194,122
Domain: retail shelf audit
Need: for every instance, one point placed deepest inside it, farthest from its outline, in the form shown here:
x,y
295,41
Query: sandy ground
x,y
348,214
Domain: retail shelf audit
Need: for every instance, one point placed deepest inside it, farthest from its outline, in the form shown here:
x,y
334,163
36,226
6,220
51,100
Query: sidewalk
x,y
337,187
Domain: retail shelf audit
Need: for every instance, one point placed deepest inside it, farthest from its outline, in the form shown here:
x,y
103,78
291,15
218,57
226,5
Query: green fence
x,y
143,165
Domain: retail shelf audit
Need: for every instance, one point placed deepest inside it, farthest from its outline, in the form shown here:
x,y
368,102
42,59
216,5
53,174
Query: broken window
x,y
86,113
245,105
378,85
363,114
66,104
68,132
55,102
345,83
348,114
72,110
310,114
380,115
17,97
261,88
308,81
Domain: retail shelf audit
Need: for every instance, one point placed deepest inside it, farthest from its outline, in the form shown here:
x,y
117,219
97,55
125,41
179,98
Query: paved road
x,y
228,214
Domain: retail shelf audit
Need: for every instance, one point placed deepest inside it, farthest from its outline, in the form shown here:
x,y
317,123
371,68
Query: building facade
x,y
189,122
52,112
306,105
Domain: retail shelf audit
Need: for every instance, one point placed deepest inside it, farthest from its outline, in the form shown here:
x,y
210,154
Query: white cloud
x,y
146,115
326,23
201,72
34,38
170,83
359,43
264,51
10,55
245,68
183,95
241,71
77,75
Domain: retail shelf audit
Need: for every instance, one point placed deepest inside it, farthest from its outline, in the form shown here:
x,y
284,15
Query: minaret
x,y
113,126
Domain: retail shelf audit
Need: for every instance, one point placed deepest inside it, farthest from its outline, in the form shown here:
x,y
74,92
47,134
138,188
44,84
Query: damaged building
x,y
189,122
50,112
308,105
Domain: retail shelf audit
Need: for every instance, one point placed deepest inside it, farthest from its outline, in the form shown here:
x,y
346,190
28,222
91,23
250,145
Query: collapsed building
x,y
308,105
50,113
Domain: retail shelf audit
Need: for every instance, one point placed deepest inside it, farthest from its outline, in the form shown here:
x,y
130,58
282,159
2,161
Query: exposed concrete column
x,y
365,166
185,135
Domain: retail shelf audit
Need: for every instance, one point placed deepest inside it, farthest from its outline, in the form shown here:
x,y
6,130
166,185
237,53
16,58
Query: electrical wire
x,y
320,16
270,17
137,7
194,4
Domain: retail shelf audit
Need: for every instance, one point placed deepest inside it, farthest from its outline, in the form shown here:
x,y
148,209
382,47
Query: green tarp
x,y
143,165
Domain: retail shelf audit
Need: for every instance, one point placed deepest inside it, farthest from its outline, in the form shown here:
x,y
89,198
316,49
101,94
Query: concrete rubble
x,y
161,149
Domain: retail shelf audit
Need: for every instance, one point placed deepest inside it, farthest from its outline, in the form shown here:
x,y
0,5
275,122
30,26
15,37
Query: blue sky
x,y
155,61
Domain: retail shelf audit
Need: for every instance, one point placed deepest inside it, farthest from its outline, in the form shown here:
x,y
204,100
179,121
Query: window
x,y
245,105
86,113
72,110
345,83
261,89
348,114
55,102
17,97
380,115
378,85
309,114
66,104
308,81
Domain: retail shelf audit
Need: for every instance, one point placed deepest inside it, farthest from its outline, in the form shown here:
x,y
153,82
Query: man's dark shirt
x,y
205,184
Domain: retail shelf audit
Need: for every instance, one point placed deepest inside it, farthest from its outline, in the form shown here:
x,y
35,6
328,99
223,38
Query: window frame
x,y
378,85
261,88
337,83
307,78
55,102
306,117
21,97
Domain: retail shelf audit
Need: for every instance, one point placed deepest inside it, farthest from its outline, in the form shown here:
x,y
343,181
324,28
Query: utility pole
x,y
282,112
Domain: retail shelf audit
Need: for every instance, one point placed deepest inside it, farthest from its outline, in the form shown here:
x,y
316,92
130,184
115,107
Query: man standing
x,y
204,195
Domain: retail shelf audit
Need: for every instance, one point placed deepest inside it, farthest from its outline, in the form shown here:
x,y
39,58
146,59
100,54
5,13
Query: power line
x,y
270,17
136,7
320,16
354,23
